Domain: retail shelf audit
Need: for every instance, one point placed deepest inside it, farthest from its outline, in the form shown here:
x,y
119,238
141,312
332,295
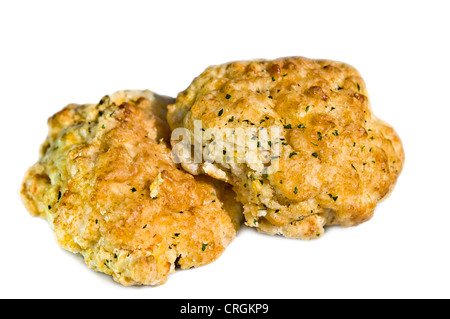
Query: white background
x,y
57,52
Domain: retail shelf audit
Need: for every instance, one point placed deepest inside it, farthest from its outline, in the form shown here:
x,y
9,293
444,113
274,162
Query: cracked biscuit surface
x,y
108,186
335,159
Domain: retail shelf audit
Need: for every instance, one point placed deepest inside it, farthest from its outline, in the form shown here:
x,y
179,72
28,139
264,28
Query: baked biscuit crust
x,y
337,159
108,186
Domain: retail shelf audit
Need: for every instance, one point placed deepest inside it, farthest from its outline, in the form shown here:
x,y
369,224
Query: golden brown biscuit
x,y
108,186
335,159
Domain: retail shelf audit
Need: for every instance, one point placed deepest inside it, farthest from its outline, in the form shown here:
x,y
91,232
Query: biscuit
x,y
334,162
107,184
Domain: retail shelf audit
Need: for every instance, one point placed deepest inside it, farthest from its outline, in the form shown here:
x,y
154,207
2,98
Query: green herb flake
x,y
103,126
292,154
49,207
335,133
176,234
270,97
358,87
307,109
228,96
315,155
231,119
221,112
273,79
354,167
288,127
204,247
301,126
144,226
314,144
155,198
133,190
333,197
296,190
320,136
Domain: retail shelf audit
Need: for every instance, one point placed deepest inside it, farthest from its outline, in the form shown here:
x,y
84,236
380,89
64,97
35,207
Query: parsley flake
x,y
333,197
